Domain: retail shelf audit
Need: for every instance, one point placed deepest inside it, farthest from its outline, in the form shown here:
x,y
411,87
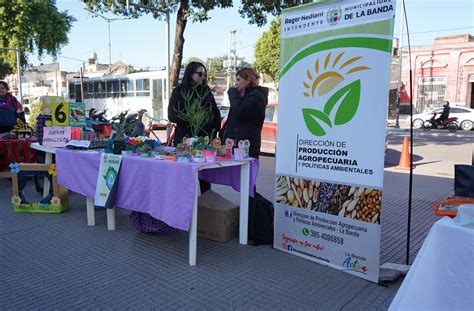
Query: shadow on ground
x,y
392,158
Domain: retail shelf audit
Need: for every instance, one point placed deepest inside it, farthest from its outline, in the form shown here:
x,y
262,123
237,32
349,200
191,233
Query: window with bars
x,y
431,93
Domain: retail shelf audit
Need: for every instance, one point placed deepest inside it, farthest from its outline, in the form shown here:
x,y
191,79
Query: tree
x,y
257,11
267,51
196,11
33,27
191,59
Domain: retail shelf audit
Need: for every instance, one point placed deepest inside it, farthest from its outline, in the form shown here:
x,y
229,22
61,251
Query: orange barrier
x,y
404,163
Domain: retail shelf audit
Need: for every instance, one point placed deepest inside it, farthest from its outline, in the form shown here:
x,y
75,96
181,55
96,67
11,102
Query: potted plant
x,y
193,112
183,153
118,140
160,153
145,148
210,153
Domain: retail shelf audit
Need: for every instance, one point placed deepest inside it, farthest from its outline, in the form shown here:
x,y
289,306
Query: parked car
x,y
269,129
465,117
224,110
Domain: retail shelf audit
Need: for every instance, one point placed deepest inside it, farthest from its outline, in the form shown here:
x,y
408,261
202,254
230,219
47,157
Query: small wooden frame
x,y
58,203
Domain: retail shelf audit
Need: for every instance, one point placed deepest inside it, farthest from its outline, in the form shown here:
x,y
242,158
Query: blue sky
x,y
141,42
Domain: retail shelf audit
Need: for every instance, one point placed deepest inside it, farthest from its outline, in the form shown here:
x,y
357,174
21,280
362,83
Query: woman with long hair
x,y
194,82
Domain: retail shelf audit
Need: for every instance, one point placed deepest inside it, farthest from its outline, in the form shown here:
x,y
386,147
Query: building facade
x,y
441,72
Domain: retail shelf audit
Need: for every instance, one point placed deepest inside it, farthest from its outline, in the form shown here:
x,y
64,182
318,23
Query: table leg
x,y
193,229
47,160
111,218
244,202
90,212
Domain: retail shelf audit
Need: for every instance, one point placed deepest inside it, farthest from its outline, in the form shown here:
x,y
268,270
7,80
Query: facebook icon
x,y
288,212
290,248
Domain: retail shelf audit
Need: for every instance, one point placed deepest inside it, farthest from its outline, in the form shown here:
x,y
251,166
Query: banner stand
x,y
333,97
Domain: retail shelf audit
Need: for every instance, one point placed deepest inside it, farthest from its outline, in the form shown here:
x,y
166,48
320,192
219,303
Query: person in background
x,y
10,109
195,75
248,101
445,114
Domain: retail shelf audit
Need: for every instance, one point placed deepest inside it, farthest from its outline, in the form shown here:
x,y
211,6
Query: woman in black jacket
x,y
195,75
247,110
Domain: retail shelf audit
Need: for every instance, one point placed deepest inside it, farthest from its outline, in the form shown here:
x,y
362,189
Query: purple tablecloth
x,y
164,189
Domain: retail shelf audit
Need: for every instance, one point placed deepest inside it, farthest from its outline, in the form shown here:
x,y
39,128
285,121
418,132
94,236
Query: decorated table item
x,y
242,151
245,146
56,202
225,152
21,130
183,153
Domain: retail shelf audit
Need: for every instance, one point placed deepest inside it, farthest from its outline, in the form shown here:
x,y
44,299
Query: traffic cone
x,y
404,163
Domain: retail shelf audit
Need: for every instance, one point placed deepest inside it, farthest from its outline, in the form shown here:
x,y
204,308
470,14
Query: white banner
x,y
334,85
107,179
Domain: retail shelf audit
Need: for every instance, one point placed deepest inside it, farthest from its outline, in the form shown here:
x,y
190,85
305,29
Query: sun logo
x,y
327,76
328,79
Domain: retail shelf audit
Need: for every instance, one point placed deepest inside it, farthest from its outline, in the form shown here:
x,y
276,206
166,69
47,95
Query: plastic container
x,y
450,207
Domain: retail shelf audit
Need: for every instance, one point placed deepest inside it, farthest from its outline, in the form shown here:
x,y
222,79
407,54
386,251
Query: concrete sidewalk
x,y
58,262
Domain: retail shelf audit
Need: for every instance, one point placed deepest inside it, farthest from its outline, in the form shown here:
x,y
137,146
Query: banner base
x,y
389,272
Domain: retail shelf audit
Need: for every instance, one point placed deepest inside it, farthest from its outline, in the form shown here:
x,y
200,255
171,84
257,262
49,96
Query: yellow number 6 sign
x,y
60,113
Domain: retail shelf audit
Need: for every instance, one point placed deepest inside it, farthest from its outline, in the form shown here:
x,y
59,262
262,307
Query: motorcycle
x,y
132,123
99,124
450,123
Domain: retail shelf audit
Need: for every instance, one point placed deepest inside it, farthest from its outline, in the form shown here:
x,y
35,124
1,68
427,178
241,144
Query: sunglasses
x,y
200,73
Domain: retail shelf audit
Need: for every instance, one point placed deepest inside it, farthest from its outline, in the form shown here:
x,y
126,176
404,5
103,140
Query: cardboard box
x,y
218,218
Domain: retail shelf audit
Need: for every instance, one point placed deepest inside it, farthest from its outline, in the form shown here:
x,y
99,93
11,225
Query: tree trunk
x,y
181,20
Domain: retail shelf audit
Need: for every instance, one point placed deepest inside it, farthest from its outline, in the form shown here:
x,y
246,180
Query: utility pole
x,y
400,60
109,20
57,83
82,83
231,60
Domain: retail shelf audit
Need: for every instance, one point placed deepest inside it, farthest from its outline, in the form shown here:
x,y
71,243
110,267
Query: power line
x,y
431,31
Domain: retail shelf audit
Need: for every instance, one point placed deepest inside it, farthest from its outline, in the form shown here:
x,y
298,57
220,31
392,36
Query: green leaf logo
x,y
310,116
328,73
349,97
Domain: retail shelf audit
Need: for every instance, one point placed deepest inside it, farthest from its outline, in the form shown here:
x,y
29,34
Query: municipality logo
x,y
325,78
334,15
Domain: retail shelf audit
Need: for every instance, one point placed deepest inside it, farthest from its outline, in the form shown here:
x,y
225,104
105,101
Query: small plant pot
x,y
183,159
198,158
119,146
160,157
210,156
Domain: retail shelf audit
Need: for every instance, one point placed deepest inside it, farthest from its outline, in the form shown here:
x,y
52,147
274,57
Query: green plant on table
x,y
194,112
